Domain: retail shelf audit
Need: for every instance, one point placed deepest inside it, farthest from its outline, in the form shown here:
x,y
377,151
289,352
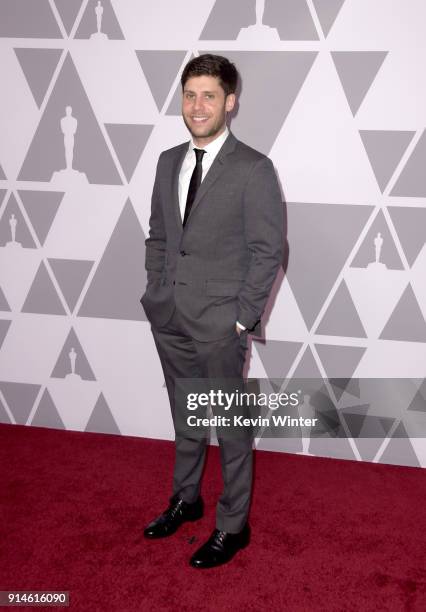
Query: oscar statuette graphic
x,y
259,32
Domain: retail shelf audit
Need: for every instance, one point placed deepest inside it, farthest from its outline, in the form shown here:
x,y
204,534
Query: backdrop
x,y
332,90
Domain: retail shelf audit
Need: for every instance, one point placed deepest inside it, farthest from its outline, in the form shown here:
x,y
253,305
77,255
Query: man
x,y
215,245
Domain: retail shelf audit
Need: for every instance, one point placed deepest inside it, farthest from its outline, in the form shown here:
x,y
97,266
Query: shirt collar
x,y
213,147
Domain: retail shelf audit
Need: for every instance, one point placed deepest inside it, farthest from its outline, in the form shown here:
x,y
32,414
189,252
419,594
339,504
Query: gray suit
x,y
218,270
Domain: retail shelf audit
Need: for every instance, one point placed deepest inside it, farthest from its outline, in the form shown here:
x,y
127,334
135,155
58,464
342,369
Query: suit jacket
x,y
221,267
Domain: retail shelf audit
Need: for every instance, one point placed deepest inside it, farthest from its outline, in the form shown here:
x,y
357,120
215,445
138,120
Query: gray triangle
x,y
355,418
227,18
2,178
330,231
385,149
4,417
357,71
101,419
2,192
41,207
22,233
410,224
24,19
323,408
46,153
110,27
3,302
307,367
341,317
121,267
388,254
364,425
129,142
407,322
71,276
42,297
418,403
38,66
47,414
68,10
175,106
412,180
340,361
277,356
4,328
327,11
399,451
160,69
259,72
349,386
368,447
368,431
291,18
63,366
20,398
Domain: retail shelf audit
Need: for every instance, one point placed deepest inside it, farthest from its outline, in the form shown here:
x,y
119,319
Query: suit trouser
x,y
182,356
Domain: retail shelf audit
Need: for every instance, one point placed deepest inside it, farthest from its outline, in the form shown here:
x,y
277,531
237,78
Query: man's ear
x,y
230,102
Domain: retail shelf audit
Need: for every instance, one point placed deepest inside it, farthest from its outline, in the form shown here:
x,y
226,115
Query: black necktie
x,y
194,183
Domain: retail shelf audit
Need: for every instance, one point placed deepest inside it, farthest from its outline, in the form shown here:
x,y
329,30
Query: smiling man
x,y
214,248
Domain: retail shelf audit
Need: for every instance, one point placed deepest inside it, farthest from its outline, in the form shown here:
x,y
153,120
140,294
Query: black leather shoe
x,y
220,548
177,513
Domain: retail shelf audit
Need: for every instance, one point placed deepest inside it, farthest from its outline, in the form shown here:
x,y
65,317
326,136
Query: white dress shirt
x,y
188,165
211,150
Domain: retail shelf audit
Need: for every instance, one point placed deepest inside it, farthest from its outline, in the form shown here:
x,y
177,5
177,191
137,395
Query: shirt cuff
x,y
241,326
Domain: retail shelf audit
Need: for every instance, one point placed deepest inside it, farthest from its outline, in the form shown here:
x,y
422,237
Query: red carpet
x,y
327,534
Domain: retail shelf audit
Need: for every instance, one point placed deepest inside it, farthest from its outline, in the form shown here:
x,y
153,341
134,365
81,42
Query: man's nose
x,y
198,103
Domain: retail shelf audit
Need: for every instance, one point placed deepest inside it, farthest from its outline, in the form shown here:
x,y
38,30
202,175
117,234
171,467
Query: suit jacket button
x,y
174,282
183,253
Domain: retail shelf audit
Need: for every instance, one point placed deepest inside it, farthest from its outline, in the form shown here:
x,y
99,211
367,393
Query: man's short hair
x,y
212,65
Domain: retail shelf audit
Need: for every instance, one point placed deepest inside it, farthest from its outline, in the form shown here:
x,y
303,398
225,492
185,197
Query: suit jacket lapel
x,y
212,175
214,172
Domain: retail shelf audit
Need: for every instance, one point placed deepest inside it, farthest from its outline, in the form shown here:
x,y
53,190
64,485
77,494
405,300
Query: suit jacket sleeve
x,y
155,253
263,219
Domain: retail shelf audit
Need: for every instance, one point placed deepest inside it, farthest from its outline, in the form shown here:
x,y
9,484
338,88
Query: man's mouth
x,y
199,119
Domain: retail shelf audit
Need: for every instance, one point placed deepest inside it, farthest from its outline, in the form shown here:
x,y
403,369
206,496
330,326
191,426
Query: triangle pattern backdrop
x,y
81,158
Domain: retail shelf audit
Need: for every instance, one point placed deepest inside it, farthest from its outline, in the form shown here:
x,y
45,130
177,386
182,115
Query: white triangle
x,y
32,346
124,358
19,114
392,359
285,321
418,275
74,399
94,211
168,132
18,268
119,94
256,369
308,150
399,91
375,294
166,24
419,446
